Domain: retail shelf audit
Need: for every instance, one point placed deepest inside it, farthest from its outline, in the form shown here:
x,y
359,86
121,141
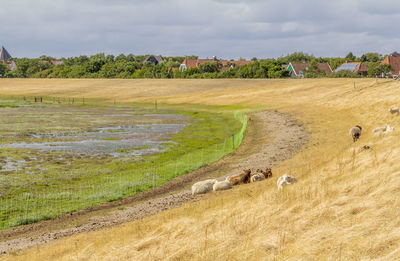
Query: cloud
x,y
226,28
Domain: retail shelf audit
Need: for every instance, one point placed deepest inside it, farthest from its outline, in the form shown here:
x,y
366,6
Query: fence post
x,y
233,141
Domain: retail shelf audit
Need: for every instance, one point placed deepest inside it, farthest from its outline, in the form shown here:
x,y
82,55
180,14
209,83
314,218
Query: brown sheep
x,y
355,132
267,172
241,178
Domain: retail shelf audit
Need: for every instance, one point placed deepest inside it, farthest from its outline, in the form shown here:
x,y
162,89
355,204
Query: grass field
x,y
345,206
95,162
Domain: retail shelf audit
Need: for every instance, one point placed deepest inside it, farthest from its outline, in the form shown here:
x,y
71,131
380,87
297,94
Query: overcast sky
x,y
225,28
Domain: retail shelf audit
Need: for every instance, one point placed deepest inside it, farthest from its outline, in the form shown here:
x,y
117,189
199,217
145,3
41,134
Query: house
x,y
226,65
4,55
11,65
153,59
60,62
194,63
394,60
355,67
5,58
299,69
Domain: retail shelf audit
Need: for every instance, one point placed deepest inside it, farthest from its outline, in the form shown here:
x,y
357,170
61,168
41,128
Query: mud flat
x,y
271,137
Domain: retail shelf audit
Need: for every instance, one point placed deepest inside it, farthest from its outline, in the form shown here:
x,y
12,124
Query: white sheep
x,y
394,110
379,129
203,187
383,130
284,180
222,185
355,132
257,177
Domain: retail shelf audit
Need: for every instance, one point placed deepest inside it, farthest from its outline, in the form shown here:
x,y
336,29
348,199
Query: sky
x,y
224,28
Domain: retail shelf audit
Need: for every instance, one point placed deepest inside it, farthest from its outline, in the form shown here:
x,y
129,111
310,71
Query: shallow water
x,y
140,139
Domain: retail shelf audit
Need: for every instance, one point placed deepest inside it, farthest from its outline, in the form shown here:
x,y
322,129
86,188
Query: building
x,y
5,58
226,65
394,60
11,65
153,59
4,55
60,62
299,69
355,67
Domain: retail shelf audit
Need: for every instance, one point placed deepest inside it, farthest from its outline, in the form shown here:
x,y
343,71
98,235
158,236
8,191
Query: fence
x,y
30,206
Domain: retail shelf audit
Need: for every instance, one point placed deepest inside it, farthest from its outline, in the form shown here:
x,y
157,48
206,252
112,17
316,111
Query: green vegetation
x,y
46,184
133,67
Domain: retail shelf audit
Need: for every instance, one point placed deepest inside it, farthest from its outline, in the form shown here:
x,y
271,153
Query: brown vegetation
x,y
344,207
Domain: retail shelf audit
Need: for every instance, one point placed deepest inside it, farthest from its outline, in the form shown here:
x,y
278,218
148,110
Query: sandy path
x,y
271,137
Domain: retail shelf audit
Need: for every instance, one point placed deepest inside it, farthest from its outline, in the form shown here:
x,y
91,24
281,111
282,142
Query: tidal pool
x,y
121,140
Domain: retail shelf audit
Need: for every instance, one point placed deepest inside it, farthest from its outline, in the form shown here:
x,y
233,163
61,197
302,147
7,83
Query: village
x,y
389,67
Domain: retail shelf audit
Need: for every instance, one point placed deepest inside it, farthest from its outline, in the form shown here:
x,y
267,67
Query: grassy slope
x,y
345,205
64,182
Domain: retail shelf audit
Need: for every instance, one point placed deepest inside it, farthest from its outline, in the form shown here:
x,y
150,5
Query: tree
x,y
3,69
296,57
371,57
376,69
350,57
210,67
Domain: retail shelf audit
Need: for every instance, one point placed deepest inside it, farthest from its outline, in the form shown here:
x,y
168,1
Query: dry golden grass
x,y
345,206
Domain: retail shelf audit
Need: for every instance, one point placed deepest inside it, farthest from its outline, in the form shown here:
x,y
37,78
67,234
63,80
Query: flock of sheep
x,y
246,176
355,132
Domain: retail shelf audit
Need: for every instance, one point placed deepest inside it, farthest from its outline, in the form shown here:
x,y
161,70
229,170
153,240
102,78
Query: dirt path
x,y
271,137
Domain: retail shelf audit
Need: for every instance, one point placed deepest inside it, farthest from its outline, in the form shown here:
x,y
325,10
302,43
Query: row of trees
x,y
130,66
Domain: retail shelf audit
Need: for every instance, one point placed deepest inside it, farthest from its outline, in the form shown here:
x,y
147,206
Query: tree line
x,y
130,66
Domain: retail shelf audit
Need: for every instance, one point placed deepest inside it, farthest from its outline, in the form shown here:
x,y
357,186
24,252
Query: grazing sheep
x,y
222,185
355,132
394,110
241,178
257,177
267,172
284,180
379,129
203,187
383,130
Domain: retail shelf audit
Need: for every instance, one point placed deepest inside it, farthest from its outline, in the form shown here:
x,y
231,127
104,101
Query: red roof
x,y
194,63
303,67
394,61
361,68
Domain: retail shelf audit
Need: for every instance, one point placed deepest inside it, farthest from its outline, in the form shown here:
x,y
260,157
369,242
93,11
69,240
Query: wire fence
x,y
30,206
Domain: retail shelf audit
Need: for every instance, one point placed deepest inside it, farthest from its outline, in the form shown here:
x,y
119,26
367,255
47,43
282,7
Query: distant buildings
x,y
355,67
5,58
4,55
153,59
299,69
394,60
59,62
226,65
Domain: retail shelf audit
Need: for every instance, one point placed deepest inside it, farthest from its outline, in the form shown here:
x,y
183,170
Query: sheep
x,y
267,172
379,129
284,180
203,187
383,130
257,177
241,178
394,110
355,132
222,185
